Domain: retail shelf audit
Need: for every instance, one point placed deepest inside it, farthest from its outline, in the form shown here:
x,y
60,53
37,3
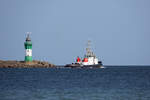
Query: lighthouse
x,y
28,48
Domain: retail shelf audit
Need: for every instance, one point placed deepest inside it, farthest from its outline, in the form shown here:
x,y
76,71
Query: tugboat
x,y
89,60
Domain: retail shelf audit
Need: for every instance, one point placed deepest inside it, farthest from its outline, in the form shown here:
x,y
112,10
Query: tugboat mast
x,y
89,53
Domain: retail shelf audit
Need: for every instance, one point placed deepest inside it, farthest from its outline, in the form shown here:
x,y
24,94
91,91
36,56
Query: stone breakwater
x,y
22,64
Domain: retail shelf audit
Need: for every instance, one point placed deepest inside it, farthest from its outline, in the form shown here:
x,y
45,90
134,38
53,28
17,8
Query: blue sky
x,y
119,30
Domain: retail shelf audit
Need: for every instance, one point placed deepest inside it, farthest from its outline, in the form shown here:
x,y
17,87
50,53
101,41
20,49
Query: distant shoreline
x,y
23,64
126,65
43,64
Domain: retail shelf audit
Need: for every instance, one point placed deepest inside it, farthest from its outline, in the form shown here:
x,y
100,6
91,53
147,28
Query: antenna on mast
x,y
89,52
88,49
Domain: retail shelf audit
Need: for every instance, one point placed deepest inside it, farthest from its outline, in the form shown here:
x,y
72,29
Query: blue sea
x,y
111,83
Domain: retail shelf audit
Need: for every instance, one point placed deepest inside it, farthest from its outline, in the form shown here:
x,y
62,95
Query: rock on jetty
x,y
23,64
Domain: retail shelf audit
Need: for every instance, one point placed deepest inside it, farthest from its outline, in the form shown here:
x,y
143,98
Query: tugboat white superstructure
x,y
89,60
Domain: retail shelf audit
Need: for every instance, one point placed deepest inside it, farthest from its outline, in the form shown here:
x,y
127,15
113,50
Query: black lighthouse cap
x,y
28,38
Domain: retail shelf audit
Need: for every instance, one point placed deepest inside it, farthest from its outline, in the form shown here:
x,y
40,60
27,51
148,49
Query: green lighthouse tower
x,y
28,49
